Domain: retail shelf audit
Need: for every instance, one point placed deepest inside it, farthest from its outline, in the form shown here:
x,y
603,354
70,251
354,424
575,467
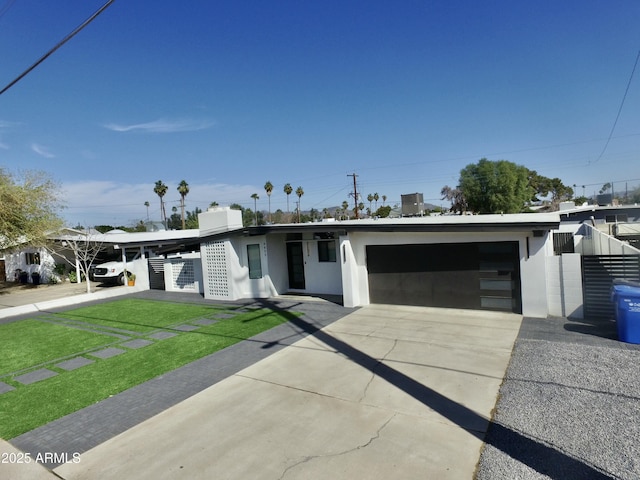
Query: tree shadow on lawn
x,y
542,458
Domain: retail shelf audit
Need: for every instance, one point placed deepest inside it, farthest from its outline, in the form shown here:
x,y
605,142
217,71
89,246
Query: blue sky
x,y
229,94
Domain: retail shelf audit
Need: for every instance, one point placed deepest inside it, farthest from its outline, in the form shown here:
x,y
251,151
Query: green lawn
x,y
139,315
29,343
30,406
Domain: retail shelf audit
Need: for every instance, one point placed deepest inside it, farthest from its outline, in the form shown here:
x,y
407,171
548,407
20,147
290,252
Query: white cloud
x,y
42,151
163,126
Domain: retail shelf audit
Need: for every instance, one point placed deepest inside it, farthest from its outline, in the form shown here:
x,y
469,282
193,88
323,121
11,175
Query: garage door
x,y
479,276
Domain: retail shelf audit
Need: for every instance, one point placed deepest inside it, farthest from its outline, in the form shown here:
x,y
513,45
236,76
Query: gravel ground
x,y
569,407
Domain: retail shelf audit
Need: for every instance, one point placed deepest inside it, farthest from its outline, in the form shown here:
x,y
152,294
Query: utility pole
x,y
355,195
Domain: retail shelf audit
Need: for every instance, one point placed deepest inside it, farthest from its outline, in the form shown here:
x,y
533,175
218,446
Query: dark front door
x,y
295,262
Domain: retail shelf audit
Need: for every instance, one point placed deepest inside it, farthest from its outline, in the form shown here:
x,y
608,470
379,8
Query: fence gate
x,y
156,273
598,272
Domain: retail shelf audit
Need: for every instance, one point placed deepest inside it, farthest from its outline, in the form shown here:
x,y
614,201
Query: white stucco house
x,y
488,262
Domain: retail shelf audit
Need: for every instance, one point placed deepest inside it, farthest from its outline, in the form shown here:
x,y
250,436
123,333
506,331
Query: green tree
x,y
29,206
255,205
383,212
174,222
376,197
183,190
288,189
370,200
146,204
248,216
160,189
559,192
268,187
192,218
495,186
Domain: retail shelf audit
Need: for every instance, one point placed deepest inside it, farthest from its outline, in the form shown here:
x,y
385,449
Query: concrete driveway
x,y
385,392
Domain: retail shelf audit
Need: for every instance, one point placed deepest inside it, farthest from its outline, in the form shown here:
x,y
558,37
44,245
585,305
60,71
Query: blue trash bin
x,y
626,300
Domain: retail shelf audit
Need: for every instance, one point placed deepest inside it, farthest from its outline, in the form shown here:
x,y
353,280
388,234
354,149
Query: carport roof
x,y
133,239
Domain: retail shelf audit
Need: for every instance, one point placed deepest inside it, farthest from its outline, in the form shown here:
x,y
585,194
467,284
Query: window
x,y
255,264
32,258
563,243
622,217
327,251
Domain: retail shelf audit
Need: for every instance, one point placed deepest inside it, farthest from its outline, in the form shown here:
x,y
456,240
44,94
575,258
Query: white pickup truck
x,y
113,272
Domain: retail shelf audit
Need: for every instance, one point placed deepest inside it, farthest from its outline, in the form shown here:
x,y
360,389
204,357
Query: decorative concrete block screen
x,y
183,274
215,264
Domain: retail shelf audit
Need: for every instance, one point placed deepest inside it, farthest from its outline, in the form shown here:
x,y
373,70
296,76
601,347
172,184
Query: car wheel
x,y
121,279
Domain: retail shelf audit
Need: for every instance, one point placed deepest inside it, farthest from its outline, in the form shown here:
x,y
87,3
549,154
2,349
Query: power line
x,y
619,109
6,7
57,46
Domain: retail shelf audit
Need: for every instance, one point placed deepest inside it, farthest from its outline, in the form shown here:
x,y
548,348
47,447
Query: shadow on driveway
x,y
538,456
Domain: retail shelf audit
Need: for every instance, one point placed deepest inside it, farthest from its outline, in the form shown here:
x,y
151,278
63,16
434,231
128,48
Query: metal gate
x,y
156,273
598,272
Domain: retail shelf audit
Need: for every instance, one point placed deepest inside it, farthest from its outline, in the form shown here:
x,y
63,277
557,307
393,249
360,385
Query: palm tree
x,y
299,193
370,199
376,197
384,199
146,204
214,204
255,205
288,189
268,187
161,189
183,189
345,208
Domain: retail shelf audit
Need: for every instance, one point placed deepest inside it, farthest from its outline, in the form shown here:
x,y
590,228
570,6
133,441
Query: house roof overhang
x,y
533,223
478,223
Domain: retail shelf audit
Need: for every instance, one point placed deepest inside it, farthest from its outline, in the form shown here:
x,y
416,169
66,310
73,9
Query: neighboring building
x,y
114,244
621,222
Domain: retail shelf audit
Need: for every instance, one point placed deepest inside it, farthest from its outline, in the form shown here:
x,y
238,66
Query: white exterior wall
x,y
320,277
564,285
533,274
17,260
183,273
351,285
532,268
277,262
218,265
252,287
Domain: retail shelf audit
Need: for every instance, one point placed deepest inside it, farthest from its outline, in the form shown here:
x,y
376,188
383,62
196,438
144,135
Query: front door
x,y
295,263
